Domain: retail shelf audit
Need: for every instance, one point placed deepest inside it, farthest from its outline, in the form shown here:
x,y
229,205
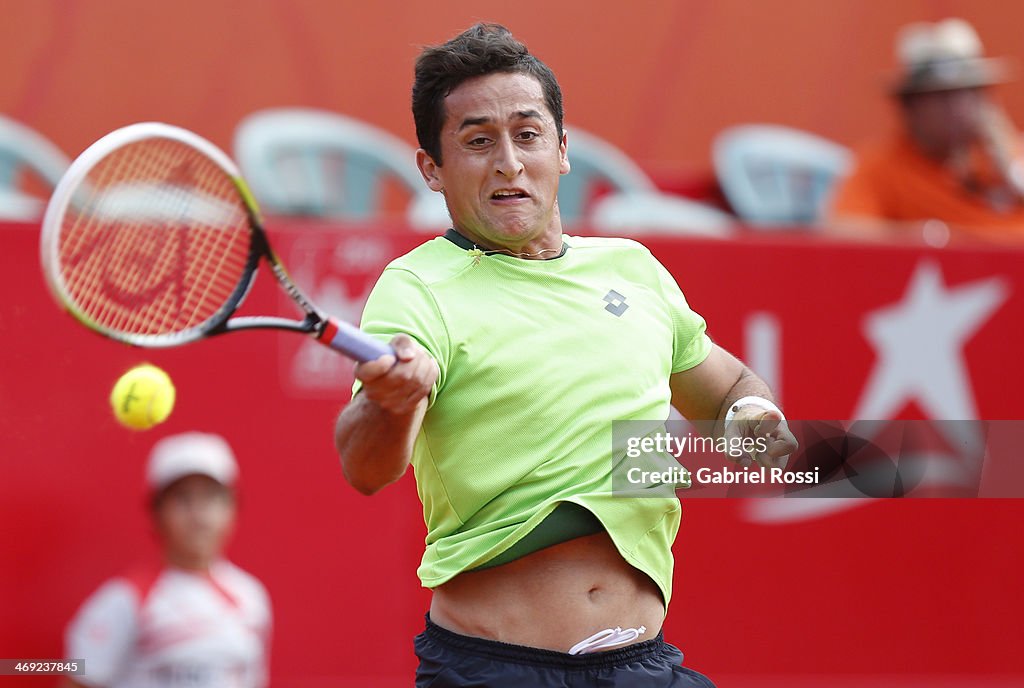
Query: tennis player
x,y
516,347
196,619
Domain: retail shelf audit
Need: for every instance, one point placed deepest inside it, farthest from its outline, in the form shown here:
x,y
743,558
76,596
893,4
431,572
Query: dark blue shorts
x,y
450,660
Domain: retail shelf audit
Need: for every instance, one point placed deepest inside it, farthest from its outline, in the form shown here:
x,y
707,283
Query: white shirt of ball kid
x,y
172,628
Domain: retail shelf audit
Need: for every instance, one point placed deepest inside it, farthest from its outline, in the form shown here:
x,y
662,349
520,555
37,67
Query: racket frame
x,y
315,322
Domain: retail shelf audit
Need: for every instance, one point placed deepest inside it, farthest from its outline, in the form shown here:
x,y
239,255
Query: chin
x,y
520,229
515,235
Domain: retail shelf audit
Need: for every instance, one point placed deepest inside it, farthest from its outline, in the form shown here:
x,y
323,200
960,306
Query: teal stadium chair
x,y
309,162
24,151
632,204
775,176
652,212
596,163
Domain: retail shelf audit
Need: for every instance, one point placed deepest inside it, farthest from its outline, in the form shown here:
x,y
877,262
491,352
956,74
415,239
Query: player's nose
x,y
506,160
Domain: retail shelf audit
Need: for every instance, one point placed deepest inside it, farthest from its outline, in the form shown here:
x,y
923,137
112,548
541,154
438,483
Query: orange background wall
x,y
656,77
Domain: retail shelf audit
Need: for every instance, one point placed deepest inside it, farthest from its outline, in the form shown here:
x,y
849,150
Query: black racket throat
x,y
313,322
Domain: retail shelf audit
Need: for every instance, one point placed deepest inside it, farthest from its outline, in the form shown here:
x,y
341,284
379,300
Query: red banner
x,y
765,588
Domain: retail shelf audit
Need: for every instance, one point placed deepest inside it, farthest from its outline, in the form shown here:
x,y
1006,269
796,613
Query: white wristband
x,y
759,402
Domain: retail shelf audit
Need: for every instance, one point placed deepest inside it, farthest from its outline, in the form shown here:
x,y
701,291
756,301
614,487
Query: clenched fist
x,y
399,383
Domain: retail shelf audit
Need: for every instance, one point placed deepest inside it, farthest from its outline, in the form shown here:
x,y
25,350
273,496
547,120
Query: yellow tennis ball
x,y
142,397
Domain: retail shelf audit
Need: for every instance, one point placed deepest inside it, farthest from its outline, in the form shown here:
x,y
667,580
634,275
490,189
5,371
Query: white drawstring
x,y
609,637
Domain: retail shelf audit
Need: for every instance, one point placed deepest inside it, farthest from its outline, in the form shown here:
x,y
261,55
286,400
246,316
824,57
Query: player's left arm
x,y
708,390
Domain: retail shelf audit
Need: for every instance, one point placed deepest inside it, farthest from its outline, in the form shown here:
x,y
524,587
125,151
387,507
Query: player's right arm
x,y
375,432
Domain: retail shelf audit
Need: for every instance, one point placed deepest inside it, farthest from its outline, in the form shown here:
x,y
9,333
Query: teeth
x,y
507,193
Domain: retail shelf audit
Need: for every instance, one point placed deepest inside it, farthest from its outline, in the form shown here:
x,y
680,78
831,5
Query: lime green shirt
x,y
536,358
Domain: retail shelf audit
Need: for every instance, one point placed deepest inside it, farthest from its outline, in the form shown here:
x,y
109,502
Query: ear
x,y
429,170
563,154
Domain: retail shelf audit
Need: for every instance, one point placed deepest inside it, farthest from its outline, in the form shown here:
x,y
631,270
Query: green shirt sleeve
x,y
690,342
400,303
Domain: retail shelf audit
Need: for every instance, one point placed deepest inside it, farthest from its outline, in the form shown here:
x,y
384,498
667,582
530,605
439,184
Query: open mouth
x,y
509,195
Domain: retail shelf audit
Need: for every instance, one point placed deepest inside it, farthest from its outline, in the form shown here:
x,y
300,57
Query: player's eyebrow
x,y
518,114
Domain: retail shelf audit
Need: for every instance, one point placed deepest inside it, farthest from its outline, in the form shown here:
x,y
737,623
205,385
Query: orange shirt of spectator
x,y
958,159
897,182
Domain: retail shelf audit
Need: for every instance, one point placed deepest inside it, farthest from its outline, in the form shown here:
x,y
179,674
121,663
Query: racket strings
x,y
210,294
155,240
113,242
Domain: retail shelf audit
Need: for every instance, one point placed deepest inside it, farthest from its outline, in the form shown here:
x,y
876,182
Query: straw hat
x,y
944,56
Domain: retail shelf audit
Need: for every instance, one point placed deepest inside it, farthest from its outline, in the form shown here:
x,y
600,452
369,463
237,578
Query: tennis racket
x,y
153,238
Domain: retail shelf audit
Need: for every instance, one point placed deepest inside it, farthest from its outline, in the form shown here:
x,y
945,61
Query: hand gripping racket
x,y
152,238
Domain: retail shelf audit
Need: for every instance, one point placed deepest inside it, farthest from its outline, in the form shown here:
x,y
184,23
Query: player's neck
x,y
544,247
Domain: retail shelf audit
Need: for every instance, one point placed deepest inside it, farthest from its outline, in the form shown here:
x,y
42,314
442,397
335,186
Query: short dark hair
x,y
479,50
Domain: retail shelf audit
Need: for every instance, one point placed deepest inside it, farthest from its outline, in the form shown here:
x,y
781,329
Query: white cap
x,y
191,453
942,56
952,39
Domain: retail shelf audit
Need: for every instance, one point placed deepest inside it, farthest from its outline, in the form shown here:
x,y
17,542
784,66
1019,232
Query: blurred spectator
x,y
957,158
196,619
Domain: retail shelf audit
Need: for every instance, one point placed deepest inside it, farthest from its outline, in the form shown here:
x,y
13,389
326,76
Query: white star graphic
x,y
919,342
919,346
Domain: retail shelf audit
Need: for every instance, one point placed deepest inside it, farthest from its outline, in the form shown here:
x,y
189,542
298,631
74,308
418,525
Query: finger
x,y
768,423
766,456
786,438
772,461
435,371
407,391
372,370
778,452
398,401
421,380
384,397
405,384
405,347
411,401
779,447
734,458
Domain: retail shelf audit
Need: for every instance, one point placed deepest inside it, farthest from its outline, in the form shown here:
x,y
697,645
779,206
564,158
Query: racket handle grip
x,y
353,342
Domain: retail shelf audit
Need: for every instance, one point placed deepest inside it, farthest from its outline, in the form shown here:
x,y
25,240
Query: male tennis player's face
x,y
501,159
194,516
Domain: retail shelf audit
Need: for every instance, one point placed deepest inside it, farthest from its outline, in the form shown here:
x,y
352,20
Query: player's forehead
x,y
497,98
